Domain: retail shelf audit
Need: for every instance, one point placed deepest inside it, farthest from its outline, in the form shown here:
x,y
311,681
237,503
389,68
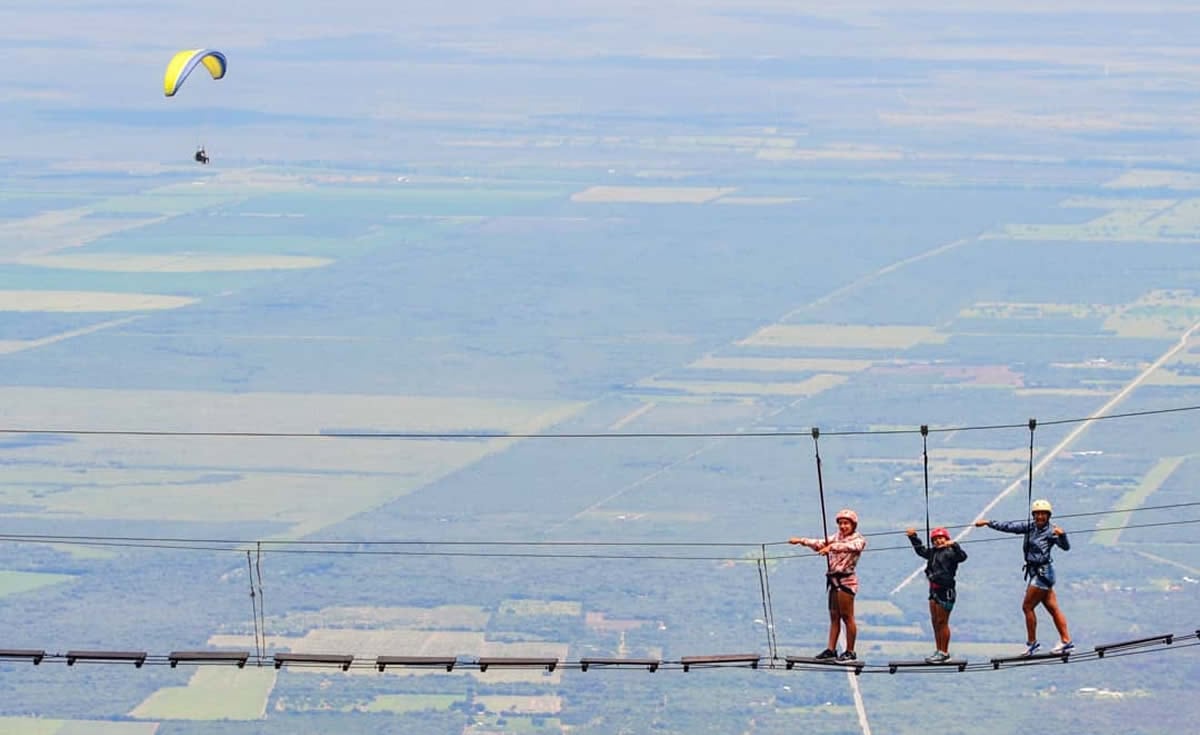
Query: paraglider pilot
x,y
201,156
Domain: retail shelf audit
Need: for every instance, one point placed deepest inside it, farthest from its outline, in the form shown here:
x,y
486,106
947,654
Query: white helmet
x,y
1041,505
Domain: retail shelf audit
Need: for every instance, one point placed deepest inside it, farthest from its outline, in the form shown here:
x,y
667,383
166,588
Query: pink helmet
x,y
848,515
939,533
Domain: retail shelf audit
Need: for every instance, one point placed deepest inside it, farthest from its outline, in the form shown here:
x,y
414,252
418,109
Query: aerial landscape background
x,y
500,330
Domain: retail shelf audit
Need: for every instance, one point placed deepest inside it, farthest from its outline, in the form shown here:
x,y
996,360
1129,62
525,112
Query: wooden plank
x,y
1167,639
854,663
996,662
36,655
237,657
959,663
549,663
343,660
382,662
720,659
137,658
650,663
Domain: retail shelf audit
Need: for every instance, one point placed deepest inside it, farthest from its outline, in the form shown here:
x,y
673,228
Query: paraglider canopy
x,y
182,63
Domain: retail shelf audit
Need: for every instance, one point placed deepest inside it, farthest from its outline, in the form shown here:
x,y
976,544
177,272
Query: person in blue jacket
x,y
941,566
1040,537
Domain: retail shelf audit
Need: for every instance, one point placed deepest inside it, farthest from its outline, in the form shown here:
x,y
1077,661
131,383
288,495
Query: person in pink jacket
x,y
842,551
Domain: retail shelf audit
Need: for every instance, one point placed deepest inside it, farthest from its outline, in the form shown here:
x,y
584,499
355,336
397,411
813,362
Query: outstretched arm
x,y
1005,526
918,547
854,543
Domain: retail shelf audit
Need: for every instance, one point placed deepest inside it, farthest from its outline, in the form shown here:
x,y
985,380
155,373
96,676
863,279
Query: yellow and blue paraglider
x,y
182,64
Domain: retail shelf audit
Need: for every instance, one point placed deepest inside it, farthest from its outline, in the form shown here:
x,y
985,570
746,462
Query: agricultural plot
x,y
212,693
401,703
650,194
1129,221
228,479
806,387
857,336
39,726
15,583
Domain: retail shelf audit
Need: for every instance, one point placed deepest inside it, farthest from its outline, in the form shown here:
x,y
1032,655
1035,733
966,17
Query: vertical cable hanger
x,y
764,587
262,607
258,651
1029,489
816,435
925,462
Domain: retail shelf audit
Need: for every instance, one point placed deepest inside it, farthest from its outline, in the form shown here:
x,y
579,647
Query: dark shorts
x,y
1041,576
833,597
943,596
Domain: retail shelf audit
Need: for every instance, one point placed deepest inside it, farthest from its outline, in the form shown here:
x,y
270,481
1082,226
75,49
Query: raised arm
x,y
918,547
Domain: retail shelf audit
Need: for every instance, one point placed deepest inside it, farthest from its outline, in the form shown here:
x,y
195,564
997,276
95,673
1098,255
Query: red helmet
x,y
939,533
848,515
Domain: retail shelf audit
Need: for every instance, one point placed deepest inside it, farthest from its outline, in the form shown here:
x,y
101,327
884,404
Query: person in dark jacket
x,y
1040,537
941,566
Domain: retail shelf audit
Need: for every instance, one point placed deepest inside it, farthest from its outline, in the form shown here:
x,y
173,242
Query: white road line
x,y
1058,448
631,416
858,703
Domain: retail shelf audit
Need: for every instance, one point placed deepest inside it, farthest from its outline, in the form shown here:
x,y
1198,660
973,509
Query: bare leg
x,y
846,609
1033,597
835,629
1050,602
941,626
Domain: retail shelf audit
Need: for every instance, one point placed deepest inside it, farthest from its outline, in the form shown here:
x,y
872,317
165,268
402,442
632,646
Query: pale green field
x,y
14,583
1151,481
782,364
1155,179
228,479
213,693
546,704
400,703
541,607
878,608
807,387
38,726
366,644
1028,310
1154,315
1129,220
175,263
650,194
844,335
445,617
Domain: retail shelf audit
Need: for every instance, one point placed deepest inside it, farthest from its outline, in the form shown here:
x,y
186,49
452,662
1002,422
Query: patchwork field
x,y
15,583
843,335
212,693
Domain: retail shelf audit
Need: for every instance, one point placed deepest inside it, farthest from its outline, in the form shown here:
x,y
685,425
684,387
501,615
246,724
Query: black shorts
x,y
943,596
834,604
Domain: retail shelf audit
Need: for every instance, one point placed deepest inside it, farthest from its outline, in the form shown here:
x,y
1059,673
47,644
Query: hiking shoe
x,y
826,654
1031,648
847,656
939,657
1063,647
